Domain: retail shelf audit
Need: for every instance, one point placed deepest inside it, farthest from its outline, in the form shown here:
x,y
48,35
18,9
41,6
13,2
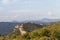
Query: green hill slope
x,y
49,32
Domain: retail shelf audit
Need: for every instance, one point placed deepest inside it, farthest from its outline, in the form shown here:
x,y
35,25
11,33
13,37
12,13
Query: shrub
x,y
26,36
45,32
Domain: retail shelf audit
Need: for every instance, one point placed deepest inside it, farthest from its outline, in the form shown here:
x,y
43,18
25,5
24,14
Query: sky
x,y
21,10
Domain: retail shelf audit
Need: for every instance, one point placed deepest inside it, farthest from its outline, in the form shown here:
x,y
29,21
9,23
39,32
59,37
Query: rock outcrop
x,y
20,28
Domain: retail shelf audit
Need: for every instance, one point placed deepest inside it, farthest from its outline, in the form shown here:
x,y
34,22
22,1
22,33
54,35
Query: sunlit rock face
x,y
21,29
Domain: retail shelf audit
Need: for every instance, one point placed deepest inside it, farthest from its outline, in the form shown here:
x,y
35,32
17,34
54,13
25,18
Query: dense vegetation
x,y
50,32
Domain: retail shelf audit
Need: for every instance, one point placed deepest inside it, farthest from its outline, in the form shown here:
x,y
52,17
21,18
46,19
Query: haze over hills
x,y
7,27
43,21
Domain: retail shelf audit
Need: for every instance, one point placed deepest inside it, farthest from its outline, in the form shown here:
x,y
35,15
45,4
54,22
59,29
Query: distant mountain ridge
x,y
43,21
46,21
50,20
7,27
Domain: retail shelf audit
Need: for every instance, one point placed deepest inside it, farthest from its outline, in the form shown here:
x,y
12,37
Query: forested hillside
x,y
49,32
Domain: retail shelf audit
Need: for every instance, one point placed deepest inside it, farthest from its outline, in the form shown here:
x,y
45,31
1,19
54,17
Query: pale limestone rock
x,y
21,29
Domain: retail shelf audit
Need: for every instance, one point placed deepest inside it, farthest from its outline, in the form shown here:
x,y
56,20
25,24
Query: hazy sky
x,y
21,10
